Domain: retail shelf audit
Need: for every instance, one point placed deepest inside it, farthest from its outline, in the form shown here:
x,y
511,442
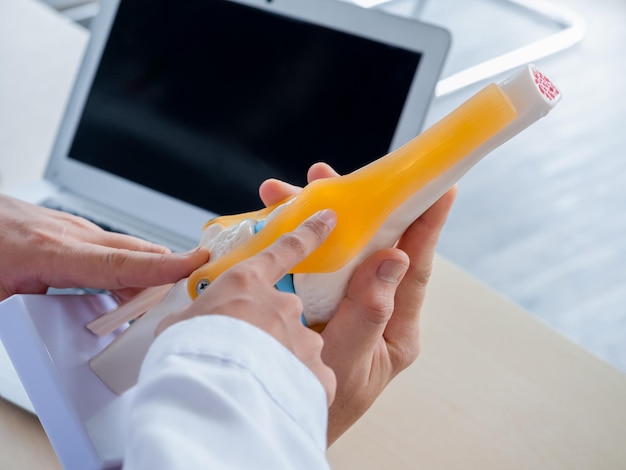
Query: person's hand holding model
x,y
235,380
374,334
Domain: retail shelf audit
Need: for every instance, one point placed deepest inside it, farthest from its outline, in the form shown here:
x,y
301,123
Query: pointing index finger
x,y
293,247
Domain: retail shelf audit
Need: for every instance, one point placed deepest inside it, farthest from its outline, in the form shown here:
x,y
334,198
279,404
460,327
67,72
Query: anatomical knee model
x,y
374,205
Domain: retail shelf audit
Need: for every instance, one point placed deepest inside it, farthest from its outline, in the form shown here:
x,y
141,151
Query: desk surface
x,y
493,388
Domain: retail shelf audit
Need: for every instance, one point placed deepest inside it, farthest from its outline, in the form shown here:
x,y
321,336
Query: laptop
x,y
182,108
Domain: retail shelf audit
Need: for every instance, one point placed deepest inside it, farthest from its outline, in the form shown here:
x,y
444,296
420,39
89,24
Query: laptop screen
x,y
204,99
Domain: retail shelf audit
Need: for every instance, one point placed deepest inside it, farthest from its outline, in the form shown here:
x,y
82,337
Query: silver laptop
x,y
181,108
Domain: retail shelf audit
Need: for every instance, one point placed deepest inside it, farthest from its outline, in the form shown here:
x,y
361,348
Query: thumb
x,y
362,316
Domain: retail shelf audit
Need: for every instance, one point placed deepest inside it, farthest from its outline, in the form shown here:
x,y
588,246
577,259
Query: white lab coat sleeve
x,y
215,392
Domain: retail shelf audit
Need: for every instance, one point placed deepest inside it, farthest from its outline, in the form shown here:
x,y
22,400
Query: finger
x,y
108,268
328,379
86,231
291,248
308,346
362,316
319,171
419,242
128,242
127,293
273,191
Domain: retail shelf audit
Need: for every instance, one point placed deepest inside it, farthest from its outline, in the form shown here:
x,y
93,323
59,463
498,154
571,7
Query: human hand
x,y
374,334
246,291
41,248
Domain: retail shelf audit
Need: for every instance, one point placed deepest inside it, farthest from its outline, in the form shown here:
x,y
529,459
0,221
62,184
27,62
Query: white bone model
x,y
375,205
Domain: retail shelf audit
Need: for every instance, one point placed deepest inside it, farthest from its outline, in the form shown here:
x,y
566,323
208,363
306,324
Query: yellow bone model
x,y
374,204
365,198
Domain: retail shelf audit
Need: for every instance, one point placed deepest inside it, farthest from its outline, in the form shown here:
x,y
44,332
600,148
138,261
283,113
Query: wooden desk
x,y
493,388
23,444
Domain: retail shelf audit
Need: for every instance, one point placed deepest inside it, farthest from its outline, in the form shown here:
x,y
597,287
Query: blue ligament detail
x,y
285,284
259,225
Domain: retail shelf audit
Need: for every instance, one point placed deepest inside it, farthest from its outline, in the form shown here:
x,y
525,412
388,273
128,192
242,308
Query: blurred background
x,y
542,219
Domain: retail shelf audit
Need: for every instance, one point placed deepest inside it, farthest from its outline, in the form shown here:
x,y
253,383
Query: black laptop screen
x,y
204,99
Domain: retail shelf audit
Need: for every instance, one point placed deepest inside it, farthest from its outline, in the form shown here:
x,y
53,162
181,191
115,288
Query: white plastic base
x,y
46,339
